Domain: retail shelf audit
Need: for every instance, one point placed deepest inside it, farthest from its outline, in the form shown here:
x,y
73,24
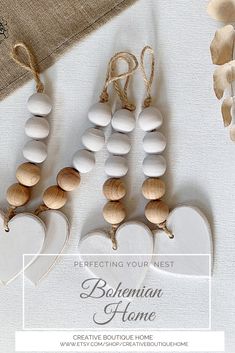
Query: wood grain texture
x,y
28,174
54,197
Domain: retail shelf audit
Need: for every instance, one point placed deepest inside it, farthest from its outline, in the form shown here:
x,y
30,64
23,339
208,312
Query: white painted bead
x,y
154,142
150,119
93,139
39,104
116,166
123,120
154,166
84,161
100,114
37,128
119,143
35,151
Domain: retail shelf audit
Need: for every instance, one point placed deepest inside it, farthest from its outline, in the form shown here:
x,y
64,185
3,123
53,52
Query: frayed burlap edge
x,y
48,61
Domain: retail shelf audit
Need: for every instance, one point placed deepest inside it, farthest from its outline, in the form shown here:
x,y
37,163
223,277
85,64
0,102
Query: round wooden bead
x,y
154,142
114,189
156,211
119,143
116,166
150,119
114,212
68,179
35,151
84,161
28,174
18,195
93,139
153,188
154,166
37,128
54,197
39,104
100,114
123,120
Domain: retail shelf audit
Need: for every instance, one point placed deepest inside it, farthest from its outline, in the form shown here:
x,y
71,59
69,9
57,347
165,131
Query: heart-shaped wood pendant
x,y
134,239
26,236
57,234
190,252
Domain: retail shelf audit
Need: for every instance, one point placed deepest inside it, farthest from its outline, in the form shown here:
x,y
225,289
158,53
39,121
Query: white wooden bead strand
x,y
154,143
116,166
37,128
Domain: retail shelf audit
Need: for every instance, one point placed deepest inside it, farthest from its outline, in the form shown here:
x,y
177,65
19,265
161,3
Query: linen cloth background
x,y
49,27
200,156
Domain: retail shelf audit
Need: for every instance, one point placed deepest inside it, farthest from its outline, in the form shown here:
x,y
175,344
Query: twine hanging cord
x,y
114,77
9,214
30,65
148,81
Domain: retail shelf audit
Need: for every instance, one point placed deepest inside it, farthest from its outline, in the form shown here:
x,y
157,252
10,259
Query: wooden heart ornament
x,y
26,236
57,234
190,252
134,240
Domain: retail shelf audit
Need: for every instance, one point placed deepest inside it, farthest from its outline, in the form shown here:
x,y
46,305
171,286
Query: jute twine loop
x,y
113,77
31,65
41,208
148,81
9,214
163,226
112,234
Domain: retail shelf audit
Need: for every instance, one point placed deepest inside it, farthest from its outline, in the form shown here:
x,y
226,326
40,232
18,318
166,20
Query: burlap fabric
x,y
49,27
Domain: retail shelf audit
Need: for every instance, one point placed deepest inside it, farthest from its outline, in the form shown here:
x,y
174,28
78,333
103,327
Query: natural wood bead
x,y
153,188
156,212
18,195
114,189
28,174
114,212
54,197
68,179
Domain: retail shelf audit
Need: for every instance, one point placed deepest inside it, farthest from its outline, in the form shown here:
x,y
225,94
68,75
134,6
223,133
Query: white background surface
x,y
201,158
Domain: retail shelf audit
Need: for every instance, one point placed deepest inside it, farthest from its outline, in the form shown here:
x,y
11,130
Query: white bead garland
x,y
83,161
119,143
154,142
39,104
100,114
123,121
116,166
150,119
93,139
154,166
35,151
37,128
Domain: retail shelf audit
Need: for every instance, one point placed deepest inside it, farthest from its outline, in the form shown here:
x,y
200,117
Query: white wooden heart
x,y
57,234
26,236
135,241
192,243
